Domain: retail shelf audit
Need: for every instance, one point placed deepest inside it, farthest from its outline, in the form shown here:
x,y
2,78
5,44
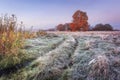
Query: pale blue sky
x,y
49,13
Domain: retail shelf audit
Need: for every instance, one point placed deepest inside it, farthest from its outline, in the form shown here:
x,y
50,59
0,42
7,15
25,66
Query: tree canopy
x,y
101,27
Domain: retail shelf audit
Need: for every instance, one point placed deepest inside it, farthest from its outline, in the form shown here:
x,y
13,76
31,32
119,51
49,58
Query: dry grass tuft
x,y
100,67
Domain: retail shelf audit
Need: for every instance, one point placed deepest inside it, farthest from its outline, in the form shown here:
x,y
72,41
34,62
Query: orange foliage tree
x,y
79,23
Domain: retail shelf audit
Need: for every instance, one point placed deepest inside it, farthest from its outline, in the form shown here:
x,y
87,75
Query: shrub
x,y
41,33
11,41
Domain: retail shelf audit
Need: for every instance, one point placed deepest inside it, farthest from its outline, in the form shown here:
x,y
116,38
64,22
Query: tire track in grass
x,y
64,73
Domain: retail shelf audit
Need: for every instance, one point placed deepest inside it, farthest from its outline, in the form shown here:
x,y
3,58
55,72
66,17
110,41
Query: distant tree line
x,y
98,27
80,23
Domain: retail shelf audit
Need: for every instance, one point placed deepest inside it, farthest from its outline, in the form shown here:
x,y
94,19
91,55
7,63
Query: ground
x,y
71,56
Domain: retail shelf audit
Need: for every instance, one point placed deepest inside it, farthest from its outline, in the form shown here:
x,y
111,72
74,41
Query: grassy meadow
x,y
27,55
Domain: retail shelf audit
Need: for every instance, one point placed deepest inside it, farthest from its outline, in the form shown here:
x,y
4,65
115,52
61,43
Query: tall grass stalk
x,y
11,41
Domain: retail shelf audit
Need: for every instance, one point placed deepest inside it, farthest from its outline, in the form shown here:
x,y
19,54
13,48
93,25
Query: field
x,y
68,56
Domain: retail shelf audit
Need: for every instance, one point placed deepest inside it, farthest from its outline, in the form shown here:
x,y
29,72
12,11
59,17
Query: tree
x,y
80,19
60,27
101,27
79,23
108,27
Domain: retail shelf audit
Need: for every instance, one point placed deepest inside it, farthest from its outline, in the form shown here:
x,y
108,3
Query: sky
x,y
44,14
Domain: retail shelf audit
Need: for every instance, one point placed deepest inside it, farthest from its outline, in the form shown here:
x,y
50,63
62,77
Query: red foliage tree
x,y
79,21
